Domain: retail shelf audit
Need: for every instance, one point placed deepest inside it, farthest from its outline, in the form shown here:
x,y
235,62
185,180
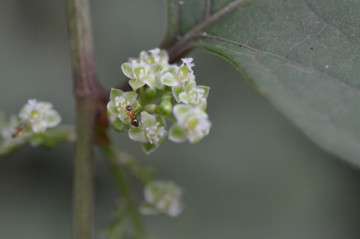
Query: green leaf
x,y
303,56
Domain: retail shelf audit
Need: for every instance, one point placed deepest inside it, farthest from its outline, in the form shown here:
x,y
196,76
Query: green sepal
x,y
115,93
127,69
147,119
206,89
118,125
169,79
138,134
176,90
177,134
111,109
158,83
148,148
184,97
52,118
149,80
136,84
181,111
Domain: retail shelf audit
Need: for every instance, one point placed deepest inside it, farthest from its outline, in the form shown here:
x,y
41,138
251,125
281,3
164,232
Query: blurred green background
x,y
255,176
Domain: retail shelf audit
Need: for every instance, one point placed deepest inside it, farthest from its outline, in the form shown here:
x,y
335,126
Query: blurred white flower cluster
x,y
162,197
160,89
30,124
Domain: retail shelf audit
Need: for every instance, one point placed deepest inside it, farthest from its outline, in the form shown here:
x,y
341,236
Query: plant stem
x,y
84,172
118,173
87,92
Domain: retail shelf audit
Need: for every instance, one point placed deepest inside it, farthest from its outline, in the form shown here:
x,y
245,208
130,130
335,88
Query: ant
x,y
18,130
130,113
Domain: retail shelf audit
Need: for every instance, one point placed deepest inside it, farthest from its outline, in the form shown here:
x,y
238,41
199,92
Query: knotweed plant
x,y
302,55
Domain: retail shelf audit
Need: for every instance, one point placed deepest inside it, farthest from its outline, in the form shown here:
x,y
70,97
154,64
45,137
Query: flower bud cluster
x,y
162,197
28,126
160,89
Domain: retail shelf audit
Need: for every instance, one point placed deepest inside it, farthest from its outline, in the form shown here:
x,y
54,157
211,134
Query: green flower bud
x,y
165,107
151,108
166,97
150,93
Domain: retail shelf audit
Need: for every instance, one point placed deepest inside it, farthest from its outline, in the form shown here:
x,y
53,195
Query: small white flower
x,y
151,129
140,74
155,133
119,100
151,132
145,69
192,124
196,96
192,95
7,134
162,197
189,63
40,115
175,76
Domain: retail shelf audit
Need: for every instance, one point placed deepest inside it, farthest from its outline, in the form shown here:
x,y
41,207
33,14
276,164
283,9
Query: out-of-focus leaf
x,y
301,55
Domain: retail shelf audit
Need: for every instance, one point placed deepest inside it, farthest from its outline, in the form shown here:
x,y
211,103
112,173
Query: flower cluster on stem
x,y
30,126
160,90
162,197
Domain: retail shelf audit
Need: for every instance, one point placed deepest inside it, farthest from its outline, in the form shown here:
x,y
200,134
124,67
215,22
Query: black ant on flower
x,y
134,121
18,130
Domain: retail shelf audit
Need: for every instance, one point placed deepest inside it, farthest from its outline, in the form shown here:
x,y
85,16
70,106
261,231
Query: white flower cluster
x,y
151,72
34,118
162,197
39,115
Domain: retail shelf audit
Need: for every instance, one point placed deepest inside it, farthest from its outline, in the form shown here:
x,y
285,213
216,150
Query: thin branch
x,y
181,47
125,191
207,9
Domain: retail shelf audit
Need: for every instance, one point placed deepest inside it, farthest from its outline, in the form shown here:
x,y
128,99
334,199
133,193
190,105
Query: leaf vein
x,y
286,60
